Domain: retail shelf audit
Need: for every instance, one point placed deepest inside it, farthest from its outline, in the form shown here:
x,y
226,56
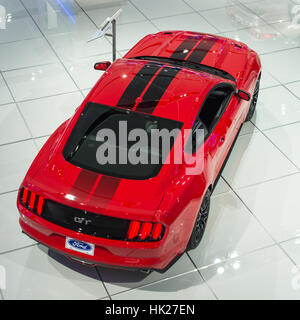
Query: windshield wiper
x,y
190,65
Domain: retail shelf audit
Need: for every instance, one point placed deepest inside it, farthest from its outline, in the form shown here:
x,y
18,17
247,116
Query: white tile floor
x,y
253,235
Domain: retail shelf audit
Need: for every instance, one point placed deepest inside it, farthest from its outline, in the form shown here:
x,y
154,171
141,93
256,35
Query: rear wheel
x,y
253,101
200,223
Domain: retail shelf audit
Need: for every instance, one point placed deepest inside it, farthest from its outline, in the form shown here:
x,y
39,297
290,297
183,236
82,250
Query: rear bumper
x,y
151,255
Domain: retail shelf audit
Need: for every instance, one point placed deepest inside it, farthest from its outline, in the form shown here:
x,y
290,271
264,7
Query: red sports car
x,y
139,214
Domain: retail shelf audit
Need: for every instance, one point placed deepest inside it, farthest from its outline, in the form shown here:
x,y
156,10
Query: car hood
x,y
226,54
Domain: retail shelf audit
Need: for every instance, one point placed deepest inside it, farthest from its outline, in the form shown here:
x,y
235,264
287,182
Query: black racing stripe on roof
x,y
138,84
201,50
184,48
157,88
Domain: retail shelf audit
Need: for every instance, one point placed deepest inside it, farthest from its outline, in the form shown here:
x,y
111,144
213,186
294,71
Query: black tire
x,y
253,101
200,223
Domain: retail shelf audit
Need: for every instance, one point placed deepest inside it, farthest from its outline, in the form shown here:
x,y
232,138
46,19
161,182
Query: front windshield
x,y
118,142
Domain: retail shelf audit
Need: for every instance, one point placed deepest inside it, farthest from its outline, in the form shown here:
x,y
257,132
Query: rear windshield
x,y
88,145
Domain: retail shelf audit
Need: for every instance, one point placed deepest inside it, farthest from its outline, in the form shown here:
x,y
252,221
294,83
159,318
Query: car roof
x,y
180,96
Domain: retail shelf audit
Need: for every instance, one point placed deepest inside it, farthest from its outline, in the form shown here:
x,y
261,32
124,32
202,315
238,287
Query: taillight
x,y
31,201
133,229
145,231
156,232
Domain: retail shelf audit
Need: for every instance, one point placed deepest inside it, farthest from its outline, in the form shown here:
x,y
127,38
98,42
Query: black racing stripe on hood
x,y
201,50
184,48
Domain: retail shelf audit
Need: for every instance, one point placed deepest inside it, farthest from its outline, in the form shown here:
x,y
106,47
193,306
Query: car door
x,y
220,128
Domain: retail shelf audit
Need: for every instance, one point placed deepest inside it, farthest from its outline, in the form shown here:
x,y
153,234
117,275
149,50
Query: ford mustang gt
x,y
142,214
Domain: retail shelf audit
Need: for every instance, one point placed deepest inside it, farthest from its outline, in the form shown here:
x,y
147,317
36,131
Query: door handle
x,y
222,139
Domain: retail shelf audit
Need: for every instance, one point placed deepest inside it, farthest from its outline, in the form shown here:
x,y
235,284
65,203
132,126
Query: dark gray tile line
x,y
95,24
287,240
24,39
204,281
22,116
49,96
213,265
17,105
248,1
44,97
49,43
118,51
143,285
261,224
152,283
168,16
6,104
23,140
281,126
18,249
174,15
43,136
203,17
291,259
87,57
211,9
269,87
258,221
57,62
265,181
36,144
285,251
285,86
11,102
29,67
279,50
262,132
236,193
273,25
140,11
13,142
103,283
10,191
290,82
219,194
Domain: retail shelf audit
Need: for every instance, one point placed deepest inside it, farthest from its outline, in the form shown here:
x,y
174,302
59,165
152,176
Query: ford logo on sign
x,y
79,245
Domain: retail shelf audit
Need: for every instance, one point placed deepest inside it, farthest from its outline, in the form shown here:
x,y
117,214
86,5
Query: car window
x,y
82,145
214,106
210,113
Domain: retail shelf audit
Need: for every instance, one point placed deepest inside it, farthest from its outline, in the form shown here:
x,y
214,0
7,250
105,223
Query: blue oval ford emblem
x,y
79,245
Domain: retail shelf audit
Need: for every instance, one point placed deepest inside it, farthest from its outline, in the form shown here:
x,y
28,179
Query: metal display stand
x,y
109,23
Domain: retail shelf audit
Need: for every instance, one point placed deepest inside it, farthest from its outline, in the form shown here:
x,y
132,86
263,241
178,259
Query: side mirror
x,y
102,65
243,94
